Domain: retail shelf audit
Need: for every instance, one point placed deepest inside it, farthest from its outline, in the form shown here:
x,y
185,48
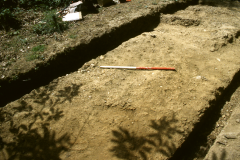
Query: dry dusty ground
x,y
226,146
97,113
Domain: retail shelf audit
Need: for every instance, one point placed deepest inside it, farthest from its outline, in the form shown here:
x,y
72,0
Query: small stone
x,y
181,130
2,76
46,111
212,49
153,36
238,120
4,64
198,77
101,57
230,136
83,71
227,114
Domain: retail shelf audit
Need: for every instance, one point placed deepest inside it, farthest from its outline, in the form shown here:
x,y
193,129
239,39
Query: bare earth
x,y
227,144
115,114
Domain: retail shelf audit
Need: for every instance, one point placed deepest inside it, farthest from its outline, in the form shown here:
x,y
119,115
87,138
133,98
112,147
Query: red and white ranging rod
x,y
140,68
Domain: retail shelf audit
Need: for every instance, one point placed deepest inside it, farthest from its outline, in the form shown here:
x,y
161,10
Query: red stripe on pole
x,y
156,68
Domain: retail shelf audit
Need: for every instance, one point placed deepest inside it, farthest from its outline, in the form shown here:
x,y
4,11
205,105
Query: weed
x,y
15,78
50,24
32,56
24,41
100,9
72,36
35,53
39,48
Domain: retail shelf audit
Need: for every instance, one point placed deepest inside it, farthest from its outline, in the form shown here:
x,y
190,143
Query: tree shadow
x,y
129,146
165,128
34,141
27,133
42,96
215,157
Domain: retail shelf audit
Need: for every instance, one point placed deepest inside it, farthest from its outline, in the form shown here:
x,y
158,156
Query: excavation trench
x,y
74,57
126,114
197,143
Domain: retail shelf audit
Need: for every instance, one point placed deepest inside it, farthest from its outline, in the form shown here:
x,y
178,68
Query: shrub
x,y
50,24
7,8
46,3
6,17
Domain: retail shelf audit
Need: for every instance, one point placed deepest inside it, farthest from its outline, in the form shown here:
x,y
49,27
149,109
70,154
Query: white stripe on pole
x,y
120,67
141,68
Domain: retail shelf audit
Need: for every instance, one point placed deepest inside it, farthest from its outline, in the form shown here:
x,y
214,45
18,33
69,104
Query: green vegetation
x,y
6,18
72,36
35,53
50,24
9,9
39,48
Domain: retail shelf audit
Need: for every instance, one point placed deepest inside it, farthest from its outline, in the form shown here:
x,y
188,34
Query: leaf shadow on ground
x,y
214,156
29,133
128,145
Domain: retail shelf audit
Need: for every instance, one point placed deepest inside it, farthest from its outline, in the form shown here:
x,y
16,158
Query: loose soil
x,y
97,113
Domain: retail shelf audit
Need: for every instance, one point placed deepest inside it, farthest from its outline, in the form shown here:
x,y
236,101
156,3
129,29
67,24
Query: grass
x,y
72,36
50,23
35,53
39,48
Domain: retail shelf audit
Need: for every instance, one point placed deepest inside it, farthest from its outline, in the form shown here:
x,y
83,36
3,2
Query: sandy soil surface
x,y
98,113
227,143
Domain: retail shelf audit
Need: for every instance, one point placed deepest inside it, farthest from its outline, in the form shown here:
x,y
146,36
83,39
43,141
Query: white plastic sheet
x,y
72,16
